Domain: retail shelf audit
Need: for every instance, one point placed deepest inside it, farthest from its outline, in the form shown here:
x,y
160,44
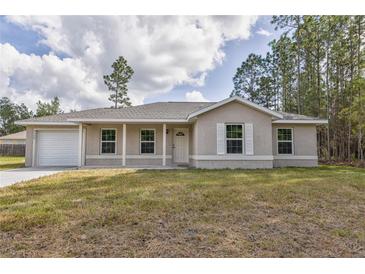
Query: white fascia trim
x,y
105,156
232,157
317,122
129,120
239,99
45,123
295,157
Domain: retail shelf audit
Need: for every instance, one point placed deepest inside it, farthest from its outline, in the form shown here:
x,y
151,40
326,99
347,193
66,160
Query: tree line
x,y
315,68
11,112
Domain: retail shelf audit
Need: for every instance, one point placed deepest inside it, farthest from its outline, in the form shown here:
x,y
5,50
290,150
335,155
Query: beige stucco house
x,y
233,133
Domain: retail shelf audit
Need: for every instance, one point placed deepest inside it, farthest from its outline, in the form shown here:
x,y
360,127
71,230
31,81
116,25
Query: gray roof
x,y
15,136
293,116
159,110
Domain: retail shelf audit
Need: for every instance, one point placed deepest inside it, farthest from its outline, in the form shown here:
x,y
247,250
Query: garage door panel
x,y
58,148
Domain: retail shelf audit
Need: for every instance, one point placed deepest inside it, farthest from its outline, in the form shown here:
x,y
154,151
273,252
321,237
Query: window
x,y
234,139
285,141
108,137
147,141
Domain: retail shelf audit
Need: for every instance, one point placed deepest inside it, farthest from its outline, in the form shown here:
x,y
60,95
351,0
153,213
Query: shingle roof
x,y
15,136
293,116
159,110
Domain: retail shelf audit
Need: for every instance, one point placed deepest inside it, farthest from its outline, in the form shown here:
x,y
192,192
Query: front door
x,y
181,145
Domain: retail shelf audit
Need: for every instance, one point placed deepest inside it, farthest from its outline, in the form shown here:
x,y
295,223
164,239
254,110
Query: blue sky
x,y
49,43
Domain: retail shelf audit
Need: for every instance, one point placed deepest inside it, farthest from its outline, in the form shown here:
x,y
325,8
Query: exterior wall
x,y
194,139
133,144
29,140
133,137
202,142
129,162
147,162
295,163
93,133
134,157
304,146
29,146
232,164
205,130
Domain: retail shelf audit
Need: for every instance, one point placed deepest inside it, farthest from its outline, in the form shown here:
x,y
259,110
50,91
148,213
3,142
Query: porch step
x,y
182,165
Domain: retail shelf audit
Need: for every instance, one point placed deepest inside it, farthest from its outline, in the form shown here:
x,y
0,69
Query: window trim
x,y
242,139
154,141
292,141
101,141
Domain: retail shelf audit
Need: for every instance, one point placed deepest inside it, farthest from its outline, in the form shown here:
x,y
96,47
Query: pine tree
x,y
316,68
117,82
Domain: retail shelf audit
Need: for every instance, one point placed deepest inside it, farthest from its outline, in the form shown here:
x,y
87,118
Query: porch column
x,y
34,148
80,145
164,144
124,144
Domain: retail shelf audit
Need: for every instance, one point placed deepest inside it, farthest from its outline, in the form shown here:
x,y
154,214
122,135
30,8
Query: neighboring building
x,y
233,133
14,139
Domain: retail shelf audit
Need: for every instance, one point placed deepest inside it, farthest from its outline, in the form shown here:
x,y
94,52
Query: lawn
x,y
292,212
10,162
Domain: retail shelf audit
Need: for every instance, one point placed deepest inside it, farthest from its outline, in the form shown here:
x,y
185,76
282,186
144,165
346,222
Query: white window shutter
x,y
220,138
249,139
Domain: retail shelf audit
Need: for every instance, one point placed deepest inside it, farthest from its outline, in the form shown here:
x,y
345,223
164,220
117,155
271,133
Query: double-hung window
x,y
285,141
108,141
234,139
147,141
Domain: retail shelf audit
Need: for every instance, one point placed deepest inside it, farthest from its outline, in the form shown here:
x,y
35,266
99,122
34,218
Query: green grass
x,y
291,212
10,162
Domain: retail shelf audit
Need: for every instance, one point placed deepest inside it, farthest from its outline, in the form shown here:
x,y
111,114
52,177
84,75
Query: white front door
x,y
181,145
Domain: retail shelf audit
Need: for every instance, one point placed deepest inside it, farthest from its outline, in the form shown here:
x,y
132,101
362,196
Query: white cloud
x,y
195,96
29,78
264,32
164,51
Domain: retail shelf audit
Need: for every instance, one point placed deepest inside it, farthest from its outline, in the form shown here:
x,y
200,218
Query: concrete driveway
x,y
13,176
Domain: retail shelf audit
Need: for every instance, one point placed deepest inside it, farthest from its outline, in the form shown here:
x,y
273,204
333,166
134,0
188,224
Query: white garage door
x,y
57,148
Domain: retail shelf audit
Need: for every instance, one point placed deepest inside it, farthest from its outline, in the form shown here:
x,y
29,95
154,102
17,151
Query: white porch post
x,y
34,148
80,144
164,144
124,144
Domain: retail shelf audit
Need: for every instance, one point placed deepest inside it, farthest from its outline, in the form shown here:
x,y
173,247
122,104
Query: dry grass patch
x,y
294,212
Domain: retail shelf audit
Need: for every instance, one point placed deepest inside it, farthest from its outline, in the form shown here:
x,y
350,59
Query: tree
x,y
52,108
293,24
247,77
117,82
284,71
315,68
255,81
9,113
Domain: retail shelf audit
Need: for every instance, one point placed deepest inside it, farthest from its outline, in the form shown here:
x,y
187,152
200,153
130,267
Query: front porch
x,y
142,145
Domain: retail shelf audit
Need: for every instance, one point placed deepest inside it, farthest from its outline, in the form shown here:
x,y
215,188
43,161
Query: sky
x,y
175,58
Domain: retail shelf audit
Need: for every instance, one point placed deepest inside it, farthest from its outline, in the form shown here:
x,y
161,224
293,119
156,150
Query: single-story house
x,y
233,133
14,139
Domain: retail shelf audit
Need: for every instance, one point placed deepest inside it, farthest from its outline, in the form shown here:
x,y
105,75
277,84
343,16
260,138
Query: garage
x,y
57,148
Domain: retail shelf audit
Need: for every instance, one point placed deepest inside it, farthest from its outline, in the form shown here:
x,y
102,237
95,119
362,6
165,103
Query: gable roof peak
x,y
240,100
